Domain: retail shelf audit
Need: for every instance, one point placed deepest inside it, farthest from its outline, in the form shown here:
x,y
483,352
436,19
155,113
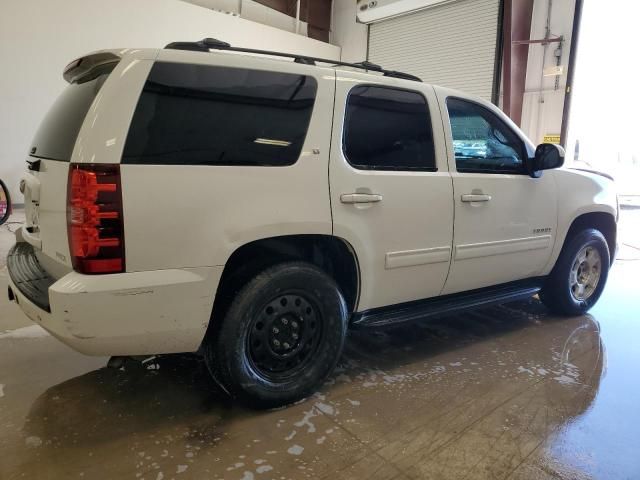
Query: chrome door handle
x,y
475,197
360,198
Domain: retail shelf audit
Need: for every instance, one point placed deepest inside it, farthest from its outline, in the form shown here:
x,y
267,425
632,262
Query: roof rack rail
x,y
207,44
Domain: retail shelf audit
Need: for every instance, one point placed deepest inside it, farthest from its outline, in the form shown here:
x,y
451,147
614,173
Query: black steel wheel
x,y
285,336
281,336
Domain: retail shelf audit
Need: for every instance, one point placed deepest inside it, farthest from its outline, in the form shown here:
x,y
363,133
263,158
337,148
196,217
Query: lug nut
x,y
294,336
275,330
286,345
276,343
294,324
285,321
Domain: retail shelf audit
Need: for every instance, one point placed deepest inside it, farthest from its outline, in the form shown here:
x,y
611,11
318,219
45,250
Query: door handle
x,y
360,198
476,197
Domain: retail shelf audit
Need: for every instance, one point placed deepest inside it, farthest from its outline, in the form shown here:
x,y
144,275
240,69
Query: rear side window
x,y
388,129
210,115
59,129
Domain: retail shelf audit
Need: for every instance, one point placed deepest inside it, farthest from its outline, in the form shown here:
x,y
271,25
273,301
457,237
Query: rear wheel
x,y
5,203
579,276
280,337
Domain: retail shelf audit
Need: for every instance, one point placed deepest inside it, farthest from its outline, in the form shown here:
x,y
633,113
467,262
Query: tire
x,y
579,275
8,207
280,338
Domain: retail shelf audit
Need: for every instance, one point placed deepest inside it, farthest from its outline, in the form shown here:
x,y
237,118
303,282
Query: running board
x,y
447,304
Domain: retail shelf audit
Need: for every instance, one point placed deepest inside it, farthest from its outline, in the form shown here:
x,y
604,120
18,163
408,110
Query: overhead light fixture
x,y
270,141
371,11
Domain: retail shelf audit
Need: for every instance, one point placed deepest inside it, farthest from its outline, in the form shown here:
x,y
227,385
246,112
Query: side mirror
x,y
547,156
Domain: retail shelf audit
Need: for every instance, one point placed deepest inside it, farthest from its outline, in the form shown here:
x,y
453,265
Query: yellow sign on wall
x,y
551,138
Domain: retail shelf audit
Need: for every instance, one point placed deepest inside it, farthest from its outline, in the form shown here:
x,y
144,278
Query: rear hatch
x,y
45,183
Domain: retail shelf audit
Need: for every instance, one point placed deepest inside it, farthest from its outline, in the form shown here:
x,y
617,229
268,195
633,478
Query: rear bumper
x,y
28,276
137,313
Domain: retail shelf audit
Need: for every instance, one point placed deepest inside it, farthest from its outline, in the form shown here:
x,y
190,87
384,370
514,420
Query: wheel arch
x,y
334,255
604,222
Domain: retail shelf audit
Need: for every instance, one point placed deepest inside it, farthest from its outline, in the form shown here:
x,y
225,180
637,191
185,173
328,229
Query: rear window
x,y
59,129
211,115
388,129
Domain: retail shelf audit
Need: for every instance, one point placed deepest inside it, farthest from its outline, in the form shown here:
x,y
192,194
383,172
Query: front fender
x,y
579,193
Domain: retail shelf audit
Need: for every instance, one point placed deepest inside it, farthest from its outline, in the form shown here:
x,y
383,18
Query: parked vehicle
x,y
254,208
5,203
468,149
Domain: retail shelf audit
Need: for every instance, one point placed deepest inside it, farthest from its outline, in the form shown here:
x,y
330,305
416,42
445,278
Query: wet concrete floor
x,y
506,392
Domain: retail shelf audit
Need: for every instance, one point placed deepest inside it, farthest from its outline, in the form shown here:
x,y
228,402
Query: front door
x,y
391,193
505,221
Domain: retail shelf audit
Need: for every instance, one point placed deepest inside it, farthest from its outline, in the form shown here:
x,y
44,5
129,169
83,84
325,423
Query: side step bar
x,y
447,304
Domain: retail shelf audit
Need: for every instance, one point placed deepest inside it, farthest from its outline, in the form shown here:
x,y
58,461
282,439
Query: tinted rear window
x,y
59,129
210,115
388,129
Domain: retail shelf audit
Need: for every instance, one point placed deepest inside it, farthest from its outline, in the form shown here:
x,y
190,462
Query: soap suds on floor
x,y
295,450
324,408
32,331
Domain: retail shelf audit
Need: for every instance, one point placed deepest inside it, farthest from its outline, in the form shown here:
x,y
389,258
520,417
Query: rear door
x,y
227,149
391,193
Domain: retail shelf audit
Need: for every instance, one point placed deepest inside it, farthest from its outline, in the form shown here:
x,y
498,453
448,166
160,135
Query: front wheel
x,y
281,336
579,276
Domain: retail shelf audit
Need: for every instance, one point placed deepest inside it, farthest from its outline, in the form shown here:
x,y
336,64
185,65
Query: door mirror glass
x,y
547,156
5,203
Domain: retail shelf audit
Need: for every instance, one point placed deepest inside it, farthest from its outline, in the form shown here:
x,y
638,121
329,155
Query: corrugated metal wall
x,y
453,45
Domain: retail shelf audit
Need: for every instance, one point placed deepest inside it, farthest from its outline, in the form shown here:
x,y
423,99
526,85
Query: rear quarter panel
x,y
104,131
178,216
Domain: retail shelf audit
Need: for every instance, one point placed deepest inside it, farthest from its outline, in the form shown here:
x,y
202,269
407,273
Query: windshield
x,y
59,129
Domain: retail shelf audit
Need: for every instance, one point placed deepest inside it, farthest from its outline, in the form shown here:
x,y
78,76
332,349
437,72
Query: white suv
x,y
253,208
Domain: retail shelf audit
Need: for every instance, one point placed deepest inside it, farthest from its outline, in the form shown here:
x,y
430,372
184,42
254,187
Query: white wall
x,y
543,104
352,37
254,11
39,37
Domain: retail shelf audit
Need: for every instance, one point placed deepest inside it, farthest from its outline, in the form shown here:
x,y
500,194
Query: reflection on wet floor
x,y
475,395
506,392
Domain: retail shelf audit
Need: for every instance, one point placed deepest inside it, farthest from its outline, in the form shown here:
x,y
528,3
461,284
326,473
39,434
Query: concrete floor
x,y
507,392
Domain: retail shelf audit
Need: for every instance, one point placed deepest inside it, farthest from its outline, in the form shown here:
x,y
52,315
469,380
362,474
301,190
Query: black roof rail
x,y
207,44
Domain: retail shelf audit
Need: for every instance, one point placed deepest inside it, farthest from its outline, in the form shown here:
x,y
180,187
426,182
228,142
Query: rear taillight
x,y
94,218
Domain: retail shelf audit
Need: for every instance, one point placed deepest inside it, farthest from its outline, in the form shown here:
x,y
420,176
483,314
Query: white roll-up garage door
x,y
453,45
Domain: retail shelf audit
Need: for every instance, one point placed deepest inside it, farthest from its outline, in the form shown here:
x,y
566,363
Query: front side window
x,y
482,142
388,129
211,115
